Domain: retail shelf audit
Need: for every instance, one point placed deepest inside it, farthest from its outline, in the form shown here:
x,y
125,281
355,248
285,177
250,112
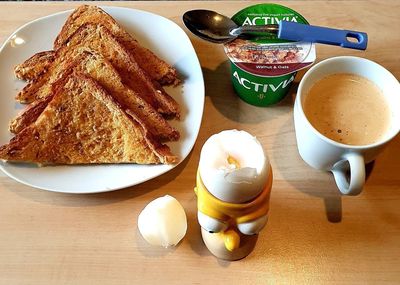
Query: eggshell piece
x,y
163,222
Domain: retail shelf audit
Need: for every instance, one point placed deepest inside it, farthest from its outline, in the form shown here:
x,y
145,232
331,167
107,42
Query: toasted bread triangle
x,y
96,66
82,124
158,69
99,39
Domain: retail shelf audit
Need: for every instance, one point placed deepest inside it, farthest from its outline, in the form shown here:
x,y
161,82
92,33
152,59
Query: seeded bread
x,y
96,66
155,67
158,69
99,39
83,124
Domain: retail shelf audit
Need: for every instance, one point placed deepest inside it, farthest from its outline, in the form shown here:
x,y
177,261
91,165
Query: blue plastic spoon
x,y
217,28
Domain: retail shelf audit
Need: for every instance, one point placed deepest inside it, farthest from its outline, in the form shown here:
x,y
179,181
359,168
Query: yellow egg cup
x,y
231,244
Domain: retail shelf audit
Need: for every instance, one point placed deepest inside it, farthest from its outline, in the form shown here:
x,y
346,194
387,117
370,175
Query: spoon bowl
x,y
210,26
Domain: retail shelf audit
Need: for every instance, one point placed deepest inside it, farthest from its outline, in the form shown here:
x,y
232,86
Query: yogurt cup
x,y
264,67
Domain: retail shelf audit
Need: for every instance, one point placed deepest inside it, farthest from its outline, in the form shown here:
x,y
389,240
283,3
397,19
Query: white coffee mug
x,y
323,153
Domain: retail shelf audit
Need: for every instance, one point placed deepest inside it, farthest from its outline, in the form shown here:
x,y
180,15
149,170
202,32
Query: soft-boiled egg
x,y
233,166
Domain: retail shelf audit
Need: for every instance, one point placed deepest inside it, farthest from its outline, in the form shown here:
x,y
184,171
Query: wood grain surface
x,y
314,235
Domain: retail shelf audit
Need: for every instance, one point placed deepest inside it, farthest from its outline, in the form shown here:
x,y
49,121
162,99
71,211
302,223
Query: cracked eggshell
x,y
236,182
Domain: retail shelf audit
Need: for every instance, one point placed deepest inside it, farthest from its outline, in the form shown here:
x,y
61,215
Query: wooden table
x,y
314,235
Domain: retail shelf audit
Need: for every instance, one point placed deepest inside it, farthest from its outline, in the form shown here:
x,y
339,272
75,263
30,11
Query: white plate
x,y
164,38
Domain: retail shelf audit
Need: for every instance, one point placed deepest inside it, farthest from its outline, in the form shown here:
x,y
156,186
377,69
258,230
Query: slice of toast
x,y
34,66
97,67
82,124
158,69
99,39
155,67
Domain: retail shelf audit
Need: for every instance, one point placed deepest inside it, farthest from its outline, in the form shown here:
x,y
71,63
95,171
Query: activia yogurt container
x,y
263,67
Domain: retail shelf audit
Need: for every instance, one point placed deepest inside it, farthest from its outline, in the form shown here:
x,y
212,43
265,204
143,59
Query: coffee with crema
x,y
348,108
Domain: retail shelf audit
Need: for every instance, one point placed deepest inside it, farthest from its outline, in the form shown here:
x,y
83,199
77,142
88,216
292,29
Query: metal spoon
x,y
217,28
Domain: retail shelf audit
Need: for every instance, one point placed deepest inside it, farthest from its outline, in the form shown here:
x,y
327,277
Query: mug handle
x,y
357,174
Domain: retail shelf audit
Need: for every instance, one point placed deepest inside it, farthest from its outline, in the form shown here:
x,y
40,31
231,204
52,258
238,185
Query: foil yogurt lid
x,y
264,54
